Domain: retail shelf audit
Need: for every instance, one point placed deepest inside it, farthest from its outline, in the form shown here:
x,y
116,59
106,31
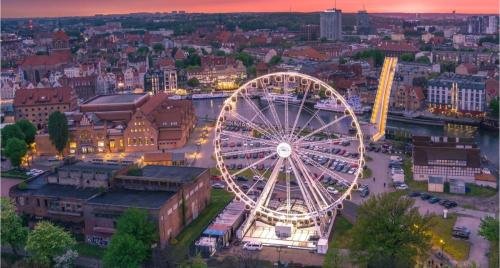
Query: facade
x,y
331,24
37,104
408,98
482,24
72,196
363,24
218,71
457,94
310,32
160,81
449,158
84,86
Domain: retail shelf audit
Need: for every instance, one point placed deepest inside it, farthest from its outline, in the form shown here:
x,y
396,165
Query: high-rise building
x,y
482,24
363,25
158,81
331,24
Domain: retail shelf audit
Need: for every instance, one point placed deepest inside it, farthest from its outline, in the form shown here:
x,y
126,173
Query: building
x,y
482,24
219,71
449,158
435,184
173,197
36,104
331,24
407,98
363,23
154,81
466,69
84,86
457,94
88,198
310,32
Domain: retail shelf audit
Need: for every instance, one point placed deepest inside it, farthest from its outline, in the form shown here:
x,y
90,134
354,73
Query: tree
x,y
448,67
193,82
375,54
48,241
58,130
423,59
407,57
125,251
196,262
245,58
15,150
489,228
13,232
28,129
11,131
275,60
390,232
494,107
158,47
135,222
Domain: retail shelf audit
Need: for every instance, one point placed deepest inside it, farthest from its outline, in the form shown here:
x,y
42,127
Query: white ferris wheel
x,y
287,161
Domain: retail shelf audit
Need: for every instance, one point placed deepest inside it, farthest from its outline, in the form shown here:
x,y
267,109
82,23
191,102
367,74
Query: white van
x,y
252,246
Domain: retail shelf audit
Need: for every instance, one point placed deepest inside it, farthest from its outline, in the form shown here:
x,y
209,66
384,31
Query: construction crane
x,y
381,106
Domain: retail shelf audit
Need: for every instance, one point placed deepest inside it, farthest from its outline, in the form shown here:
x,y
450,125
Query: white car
x,y
257,178
218,186
252,246
402,187
351,171
332,190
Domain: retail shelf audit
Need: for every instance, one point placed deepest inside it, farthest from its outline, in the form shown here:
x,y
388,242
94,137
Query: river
x,y
487,140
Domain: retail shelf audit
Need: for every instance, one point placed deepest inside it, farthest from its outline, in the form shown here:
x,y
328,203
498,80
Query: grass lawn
x,y
493,255
14,173
220,198
88,250
441,229
476,190
338,240
367,173
420,186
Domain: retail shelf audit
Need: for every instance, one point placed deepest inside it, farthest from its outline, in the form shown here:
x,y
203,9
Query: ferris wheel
x,y
286,160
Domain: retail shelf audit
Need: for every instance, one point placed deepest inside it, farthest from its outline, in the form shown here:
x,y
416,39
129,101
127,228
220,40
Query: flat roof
x,y
172,172
133,198
88,166
116,99
64,191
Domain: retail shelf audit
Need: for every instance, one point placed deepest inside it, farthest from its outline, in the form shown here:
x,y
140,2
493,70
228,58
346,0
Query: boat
x,y
281,98
177,97
334,105
212,95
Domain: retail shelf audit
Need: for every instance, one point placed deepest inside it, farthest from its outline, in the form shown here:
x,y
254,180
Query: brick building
x,y
407,98
73,197
36,104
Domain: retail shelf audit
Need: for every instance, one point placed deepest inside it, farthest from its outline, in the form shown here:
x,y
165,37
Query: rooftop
x,y
86,166
133,198
116,99
172,172
61,191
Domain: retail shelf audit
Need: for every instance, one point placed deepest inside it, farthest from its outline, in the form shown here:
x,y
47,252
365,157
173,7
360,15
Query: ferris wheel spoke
x,y
253,164
262,117
311,182
272,107
322,142
249,151
254,126
265,195
315,115
330,156
285,91
306,91
326,170
302,187
248,138
322,128
319,187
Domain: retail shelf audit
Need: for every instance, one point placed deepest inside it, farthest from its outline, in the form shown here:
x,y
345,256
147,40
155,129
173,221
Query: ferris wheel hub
x,y
284,150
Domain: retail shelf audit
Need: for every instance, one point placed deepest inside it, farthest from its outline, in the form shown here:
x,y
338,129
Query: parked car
x,y
332,190
252,246
364,192
425,196
414,194
218,185
434,200
460,232
241,178
402,186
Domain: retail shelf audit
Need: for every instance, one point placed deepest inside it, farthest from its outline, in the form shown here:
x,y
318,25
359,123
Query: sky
x,y
58,8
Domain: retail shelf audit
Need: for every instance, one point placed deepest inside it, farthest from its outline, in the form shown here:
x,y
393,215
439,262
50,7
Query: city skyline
x,y
58,8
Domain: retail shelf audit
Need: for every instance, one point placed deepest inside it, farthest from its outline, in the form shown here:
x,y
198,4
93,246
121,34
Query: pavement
x,y
480,246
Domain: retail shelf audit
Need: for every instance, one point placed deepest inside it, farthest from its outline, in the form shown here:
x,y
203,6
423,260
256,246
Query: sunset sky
x,y
55,8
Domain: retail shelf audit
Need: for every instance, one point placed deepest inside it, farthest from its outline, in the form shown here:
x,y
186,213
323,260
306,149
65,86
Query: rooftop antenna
x,y
335,5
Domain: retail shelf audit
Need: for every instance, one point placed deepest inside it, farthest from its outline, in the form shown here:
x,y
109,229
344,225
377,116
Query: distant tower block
x,y
381,105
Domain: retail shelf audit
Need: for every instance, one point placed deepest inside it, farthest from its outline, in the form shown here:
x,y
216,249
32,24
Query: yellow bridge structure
x,y
381,105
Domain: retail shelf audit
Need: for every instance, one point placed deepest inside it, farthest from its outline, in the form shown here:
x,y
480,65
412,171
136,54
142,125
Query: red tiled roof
x,y
56,58
38,96
170,135
485,177
306,53
157,156
60,35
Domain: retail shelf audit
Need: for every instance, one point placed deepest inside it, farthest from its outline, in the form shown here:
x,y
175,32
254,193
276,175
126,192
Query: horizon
x,y
25,9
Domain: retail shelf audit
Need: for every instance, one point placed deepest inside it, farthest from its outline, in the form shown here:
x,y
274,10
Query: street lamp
x,y
441,241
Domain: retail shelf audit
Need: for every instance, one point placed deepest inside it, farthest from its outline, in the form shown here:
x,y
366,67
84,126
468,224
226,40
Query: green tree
x,y
11,131
28,129
135,222
196,262
420,81
423,59
125,251
489,228
193,82
13,232
15,150
158,47
275,60
494,107
58,130
448,67
407,57
48,241
245,58
375,54
390,232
